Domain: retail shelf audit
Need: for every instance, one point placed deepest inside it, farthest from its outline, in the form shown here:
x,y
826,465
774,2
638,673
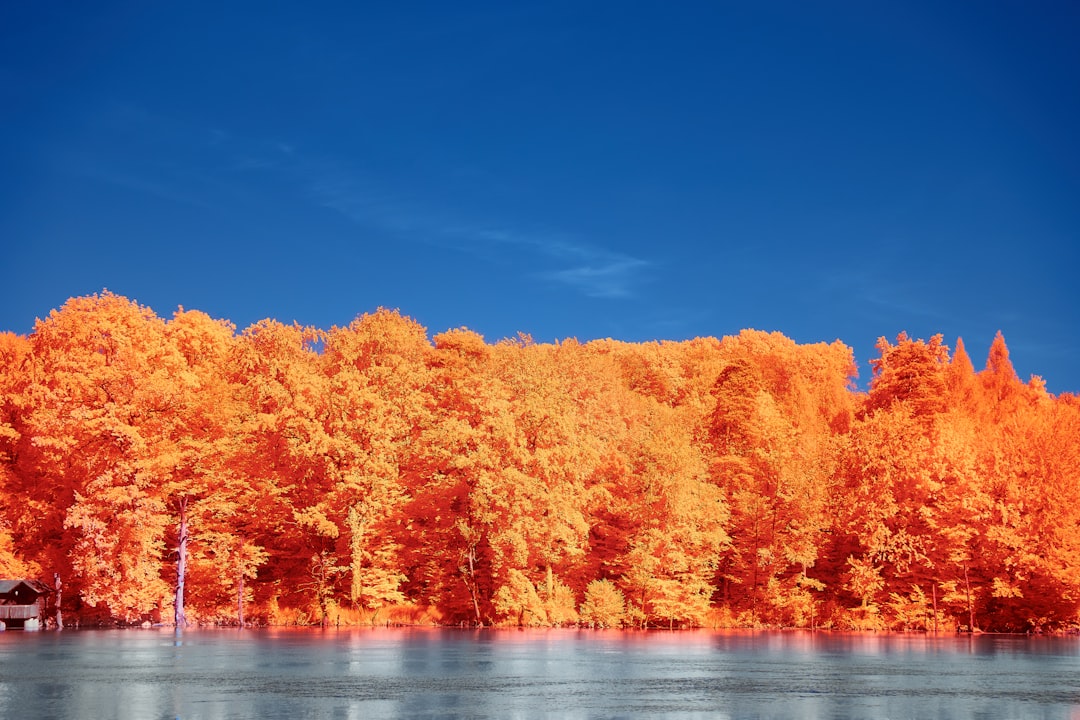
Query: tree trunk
x,y
324,621
59,593
933,587
240,600
971,607
179,618
471,583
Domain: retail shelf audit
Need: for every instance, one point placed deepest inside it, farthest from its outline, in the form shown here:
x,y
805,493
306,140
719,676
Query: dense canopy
x,y
178,471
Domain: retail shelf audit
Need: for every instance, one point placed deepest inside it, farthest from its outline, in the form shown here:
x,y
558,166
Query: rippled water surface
x,y
416,673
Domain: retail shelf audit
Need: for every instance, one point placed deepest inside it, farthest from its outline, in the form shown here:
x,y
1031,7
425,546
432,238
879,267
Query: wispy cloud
x,y
357,200
612,278
213,166
594,271
588,268
900,299
146,183
164,158
866,288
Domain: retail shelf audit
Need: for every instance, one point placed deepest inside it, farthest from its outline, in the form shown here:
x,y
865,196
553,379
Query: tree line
x,y
180,471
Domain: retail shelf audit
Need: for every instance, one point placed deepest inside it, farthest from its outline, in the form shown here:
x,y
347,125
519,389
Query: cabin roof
x,y
7,585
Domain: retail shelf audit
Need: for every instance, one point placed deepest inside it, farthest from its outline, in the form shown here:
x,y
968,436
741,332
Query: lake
x,y
452,673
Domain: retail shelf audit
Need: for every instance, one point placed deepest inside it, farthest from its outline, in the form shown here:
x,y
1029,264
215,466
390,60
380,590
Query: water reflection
x,y
380,673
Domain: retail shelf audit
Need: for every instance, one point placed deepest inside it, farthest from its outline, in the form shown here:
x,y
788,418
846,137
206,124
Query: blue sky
x,y
565,169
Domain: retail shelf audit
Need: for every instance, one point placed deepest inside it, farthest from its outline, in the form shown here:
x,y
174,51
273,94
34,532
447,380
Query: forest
x,y
179,471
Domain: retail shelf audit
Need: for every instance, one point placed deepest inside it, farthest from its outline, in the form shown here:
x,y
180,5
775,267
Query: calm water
x,y
371,674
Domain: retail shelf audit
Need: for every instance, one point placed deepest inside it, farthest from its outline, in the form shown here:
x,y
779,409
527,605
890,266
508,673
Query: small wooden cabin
x,y
22,600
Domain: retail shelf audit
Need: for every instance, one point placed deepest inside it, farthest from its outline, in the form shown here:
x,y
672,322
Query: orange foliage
x,y
177,470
